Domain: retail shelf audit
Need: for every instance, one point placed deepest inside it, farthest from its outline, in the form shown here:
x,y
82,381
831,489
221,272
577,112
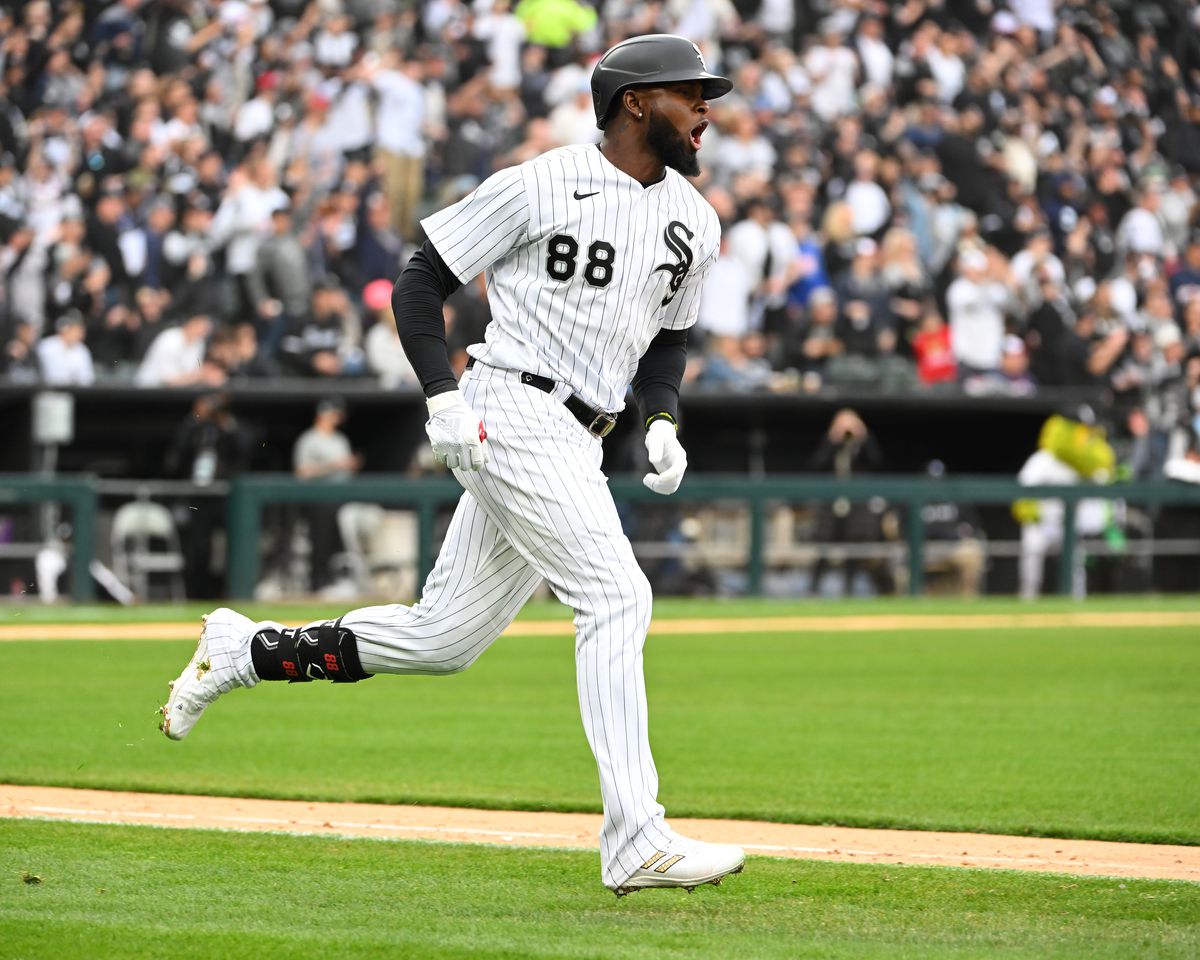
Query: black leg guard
x,y
327,651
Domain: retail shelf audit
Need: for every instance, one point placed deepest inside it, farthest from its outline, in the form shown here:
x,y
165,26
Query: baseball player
x,y
594,257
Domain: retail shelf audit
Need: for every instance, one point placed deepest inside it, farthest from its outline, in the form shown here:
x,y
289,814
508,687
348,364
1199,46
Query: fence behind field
x,y
751,548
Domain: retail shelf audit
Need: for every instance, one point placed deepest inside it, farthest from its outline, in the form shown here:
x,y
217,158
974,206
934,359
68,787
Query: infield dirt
x,y
865,623
579,831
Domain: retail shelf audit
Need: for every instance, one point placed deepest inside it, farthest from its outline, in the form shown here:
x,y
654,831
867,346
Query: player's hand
x,y
666,455
455,432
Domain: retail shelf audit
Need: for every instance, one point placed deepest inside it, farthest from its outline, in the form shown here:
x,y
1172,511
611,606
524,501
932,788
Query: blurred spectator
x,y
256,117
253,361
1177,208
242,222
1191,326
144,148
1085,356
847,449
209,444
1012,378
876,56
808,265
20,358
744,150
955,533
325,342
385,356
832,69
574,119
64,358
816,338
976,303
766,249
377,247
504,34
323,452
279,285
68,258
837,227
736,364
869,205
725,302
1183,455
862,326
399,137
104,229
1185,282
160,220
905,283
115,340
1165,401
187,259
176,357
1141,230
1035,264
931,347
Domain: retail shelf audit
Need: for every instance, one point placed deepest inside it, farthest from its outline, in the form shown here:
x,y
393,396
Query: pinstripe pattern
x,y
544,487
588,337
541,509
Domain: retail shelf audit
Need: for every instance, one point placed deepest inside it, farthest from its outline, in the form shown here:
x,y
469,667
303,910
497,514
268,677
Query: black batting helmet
x,y
654,59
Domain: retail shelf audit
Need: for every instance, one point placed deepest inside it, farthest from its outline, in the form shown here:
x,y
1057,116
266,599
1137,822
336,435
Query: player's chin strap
x,y
326,651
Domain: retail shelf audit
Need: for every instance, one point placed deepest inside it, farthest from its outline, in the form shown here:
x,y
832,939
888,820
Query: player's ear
x,y
632,102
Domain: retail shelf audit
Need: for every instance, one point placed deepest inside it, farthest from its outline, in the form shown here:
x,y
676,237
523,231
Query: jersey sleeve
x,y
683,310
483,226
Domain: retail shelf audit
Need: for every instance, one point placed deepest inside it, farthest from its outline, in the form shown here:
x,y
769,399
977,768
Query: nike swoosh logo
x,y
584,196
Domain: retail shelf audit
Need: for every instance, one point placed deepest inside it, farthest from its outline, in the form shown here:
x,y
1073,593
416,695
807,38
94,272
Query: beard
x,y
670,149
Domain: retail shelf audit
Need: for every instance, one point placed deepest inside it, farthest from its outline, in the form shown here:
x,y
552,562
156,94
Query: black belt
x,y
596,422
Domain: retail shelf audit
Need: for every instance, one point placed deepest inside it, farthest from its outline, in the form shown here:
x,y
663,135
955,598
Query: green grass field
x,y
1064,732
1085,733
143,892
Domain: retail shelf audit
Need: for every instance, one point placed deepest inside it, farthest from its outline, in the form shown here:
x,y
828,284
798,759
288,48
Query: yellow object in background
x,y
554,23
1081,447
1027,511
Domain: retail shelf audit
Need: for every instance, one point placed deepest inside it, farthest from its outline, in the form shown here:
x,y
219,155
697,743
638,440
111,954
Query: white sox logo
x,y
678,246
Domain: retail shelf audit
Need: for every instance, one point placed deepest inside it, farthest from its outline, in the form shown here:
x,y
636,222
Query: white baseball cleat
x,y
208,674
685,863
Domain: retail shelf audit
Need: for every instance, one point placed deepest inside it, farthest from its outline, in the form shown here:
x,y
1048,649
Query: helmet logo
x,y
700,57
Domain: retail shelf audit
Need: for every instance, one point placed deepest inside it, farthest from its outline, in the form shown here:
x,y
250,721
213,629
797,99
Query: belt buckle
x,y
606,421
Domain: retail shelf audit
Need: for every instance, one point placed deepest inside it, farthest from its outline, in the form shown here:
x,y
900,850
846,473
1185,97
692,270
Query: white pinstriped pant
x,y
541,509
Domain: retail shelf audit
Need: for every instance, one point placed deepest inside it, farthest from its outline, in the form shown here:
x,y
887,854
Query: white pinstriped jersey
x,y
584,266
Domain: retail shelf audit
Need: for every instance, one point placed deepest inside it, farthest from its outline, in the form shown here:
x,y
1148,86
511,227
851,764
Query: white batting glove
x,y
455,432
667,456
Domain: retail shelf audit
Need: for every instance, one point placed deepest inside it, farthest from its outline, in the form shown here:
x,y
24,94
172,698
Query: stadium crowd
x,y
976,196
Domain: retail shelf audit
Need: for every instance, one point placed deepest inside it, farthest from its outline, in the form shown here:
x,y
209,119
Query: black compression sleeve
x,y
417,301
659,373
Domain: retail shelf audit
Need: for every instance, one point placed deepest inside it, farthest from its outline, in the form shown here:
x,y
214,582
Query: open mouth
x,y
697,133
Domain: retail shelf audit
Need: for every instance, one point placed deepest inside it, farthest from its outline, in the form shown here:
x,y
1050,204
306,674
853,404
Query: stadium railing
x,y
248,495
